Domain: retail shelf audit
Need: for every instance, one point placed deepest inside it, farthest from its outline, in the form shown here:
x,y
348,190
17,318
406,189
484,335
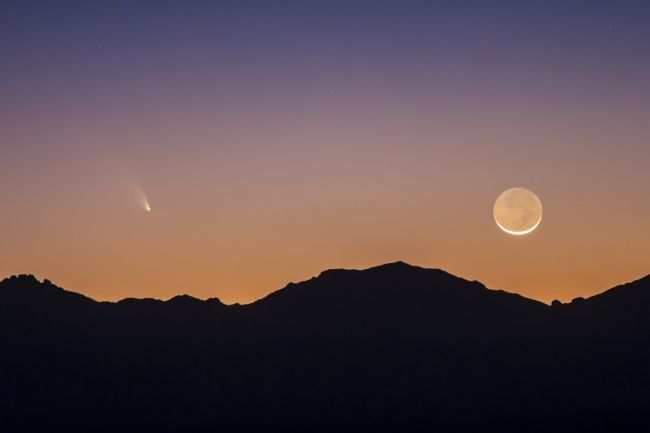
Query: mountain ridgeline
x,y
392,348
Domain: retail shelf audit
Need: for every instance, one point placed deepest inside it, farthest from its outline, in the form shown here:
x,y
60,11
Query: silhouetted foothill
x,y
389,349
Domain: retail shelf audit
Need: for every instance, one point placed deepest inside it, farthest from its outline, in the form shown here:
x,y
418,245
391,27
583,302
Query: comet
x,y
142,197
133,187
144,200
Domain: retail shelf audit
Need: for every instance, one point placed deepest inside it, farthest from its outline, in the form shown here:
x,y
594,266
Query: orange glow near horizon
x,y
250,228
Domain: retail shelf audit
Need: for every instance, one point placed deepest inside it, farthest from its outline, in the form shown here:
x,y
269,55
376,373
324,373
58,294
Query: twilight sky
x,y
278,139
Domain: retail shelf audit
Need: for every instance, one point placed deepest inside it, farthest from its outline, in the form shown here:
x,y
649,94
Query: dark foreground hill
x,y
393,348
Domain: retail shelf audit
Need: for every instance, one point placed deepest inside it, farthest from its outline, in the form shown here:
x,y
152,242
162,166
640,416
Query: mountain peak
x,y
21,279
391,267
28,286
184,299
396,265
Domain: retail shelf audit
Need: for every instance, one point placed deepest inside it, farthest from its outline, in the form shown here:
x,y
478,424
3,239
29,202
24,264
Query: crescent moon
x,y
521,233
518,211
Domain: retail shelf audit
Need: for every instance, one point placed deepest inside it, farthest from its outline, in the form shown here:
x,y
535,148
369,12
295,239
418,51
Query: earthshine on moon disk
x,y
518,211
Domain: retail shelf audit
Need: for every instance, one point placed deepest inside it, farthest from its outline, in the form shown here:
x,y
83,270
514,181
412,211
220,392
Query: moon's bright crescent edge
x,y
521,233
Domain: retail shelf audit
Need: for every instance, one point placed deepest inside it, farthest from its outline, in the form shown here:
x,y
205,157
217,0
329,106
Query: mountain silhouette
x,y
397,300
390,348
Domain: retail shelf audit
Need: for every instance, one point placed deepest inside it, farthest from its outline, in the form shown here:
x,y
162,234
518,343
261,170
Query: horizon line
x,y
291,283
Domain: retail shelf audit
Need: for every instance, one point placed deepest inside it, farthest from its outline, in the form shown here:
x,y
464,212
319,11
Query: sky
x,y
274,140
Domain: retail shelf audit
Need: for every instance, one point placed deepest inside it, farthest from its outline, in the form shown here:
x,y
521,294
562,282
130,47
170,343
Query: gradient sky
x,y
278,139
